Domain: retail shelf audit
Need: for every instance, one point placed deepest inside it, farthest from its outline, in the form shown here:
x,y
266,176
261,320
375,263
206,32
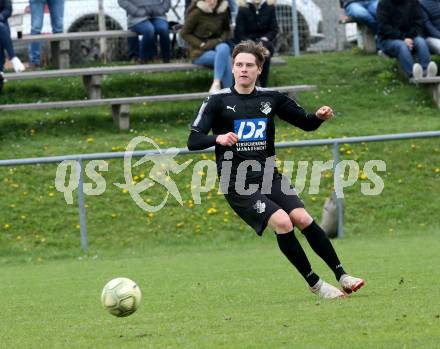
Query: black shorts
x,y
255,209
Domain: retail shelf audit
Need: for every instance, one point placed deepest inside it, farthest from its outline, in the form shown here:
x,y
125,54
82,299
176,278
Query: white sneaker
x,y
431,70
327,291
417,71
350,283
17,65
214,87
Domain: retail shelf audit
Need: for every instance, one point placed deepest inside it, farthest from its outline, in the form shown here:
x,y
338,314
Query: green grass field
x,y
231,296
208,281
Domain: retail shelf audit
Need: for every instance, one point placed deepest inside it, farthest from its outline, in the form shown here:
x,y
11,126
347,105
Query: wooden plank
x,y
134,100
76,36
141,68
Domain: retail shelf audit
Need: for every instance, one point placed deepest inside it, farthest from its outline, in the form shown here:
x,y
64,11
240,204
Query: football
x,y
121,296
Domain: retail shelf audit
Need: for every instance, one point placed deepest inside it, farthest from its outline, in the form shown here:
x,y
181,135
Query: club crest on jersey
x,y
250,129
260,206
266,108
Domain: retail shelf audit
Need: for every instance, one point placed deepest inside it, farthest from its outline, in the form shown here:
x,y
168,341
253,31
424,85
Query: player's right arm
x,y
199,137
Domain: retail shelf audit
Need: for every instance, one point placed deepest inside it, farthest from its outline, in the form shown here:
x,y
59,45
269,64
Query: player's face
x,y
245,69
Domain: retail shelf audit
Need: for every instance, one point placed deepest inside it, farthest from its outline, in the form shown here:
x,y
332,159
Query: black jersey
x,y
251,118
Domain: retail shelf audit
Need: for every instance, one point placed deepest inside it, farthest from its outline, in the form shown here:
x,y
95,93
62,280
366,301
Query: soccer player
x,y
242,121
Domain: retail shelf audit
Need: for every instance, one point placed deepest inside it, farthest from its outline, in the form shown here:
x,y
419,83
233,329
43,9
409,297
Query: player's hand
x,y
227,140
324,113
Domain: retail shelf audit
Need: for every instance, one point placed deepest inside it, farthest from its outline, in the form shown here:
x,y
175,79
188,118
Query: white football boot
x,y
327,291
350,283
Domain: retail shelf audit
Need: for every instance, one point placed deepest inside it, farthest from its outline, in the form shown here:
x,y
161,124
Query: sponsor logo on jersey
x,y
250,129
266,108
228,107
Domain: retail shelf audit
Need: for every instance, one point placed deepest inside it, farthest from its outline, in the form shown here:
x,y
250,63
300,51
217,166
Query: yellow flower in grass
x,y
212,210
437,170
90,140
77,226
179,225
362,175
114,215
150,214
18,237
419,166
51,194
7,226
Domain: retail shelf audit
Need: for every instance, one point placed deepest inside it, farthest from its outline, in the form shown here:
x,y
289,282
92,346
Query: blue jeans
x,y
398,48
364,12
56,10
5,44
149,29
220,59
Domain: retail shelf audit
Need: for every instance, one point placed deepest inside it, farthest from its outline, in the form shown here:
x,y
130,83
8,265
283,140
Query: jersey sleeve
x,y
291,112
199,138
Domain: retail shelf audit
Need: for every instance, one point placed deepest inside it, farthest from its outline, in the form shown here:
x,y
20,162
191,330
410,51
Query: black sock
x,y
322,246
292,249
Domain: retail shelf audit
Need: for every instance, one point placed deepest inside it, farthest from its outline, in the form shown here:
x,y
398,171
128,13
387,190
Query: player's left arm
x,y
291,112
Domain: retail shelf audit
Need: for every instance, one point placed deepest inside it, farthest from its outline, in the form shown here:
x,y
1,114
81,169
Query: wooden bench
x,y
60,42
121,106
433,83
92,77
365,37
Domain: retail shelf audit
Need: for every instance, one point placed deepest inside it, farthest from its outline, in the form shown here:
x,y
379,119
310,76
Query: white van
x,y
82,15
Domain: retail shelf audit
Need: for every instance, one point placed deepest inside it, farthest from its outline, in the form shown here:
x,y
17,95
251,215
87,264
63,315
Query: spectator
x,y
256,21
400,29
56,10
148,18
362,11
206,30
233,8
6,42
431,21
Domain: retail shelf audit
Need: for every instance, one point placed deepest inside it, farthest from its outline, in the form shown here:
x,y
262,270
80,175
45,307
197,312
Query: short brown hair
x,y
249,46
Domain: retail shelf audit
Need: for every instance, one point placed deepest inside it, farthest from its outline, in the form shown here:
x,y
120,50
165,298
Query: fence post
x,y
337,181
295,30
102,27
82,209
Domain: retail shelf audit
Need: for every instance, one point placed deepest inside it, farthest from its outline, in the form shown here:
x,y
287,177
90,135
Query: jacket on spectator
x,y
399,19
431,17
344,3
140,10
204,28
5,10
253,23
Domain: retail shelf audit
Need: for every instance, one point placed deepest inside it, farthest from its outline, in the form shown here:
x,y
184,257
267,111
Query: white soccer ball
x,y
121,297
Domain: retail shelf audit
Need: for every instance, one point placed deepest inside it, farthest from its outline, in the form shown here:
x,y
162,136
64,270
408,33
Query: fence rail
x,y
335,142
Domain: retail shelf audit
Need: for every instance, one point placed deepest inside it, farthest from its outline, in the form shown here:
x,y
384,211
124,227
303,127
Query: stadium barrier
x,y
335,142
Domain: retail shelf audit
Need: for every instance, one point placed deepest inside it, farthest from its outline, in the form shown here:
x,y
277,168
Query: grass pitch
x,y
207,281
229,296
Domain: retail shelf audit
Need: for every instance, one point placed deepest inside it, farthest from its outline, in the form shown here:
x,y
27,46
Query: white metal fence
x,y
336,142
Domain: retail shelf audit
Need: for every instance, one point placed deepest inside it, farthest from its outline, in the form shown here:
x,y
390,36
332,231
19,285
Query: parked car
x,y
310,27
82,15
